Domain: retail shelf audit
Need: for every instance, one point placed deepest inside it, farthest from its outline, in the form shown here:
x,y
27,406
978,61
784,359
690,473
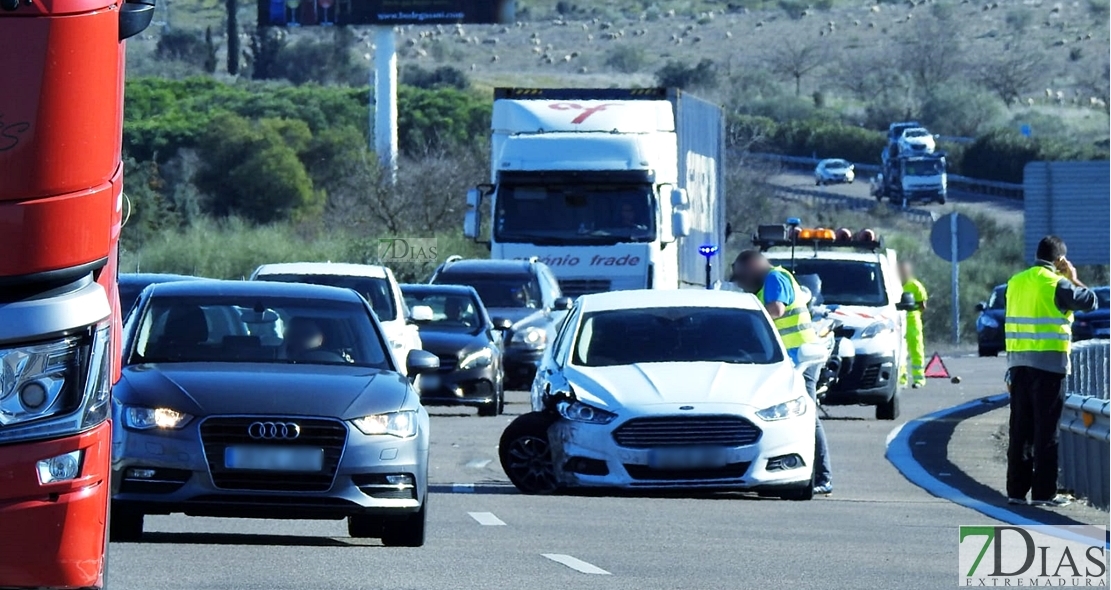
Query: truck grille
x,y
219,433
575,287
670,431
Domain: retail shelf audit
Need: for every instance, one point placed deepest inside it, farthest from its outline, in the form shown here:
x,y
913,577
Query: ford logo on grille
x,y
274,430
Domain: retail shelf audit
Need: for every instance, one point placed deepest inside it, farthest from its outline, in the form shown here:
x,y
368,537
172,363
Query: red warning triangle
x,y
935,369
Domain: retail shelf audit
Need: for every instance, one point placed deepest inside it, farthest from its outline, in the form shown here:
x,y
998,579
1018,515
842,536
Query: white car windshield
x,y
378,292
675,335
846,282
836,165
917,133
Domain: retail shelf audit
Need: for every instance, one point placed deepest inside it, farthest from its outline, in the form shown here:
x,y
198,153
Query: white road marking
x,y
576,564
462,488
478,463
891,435
486,518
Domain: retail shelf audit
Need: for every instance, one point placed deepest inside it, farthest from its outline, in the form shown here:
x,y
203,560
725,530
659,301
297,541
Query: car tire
x,y
364,527
986,351
408,532
526,456
489,410
889,410
125,526
800,494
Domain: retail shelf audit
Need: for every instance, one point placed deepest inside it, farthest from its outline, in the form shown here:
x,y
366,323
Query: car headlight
x,y
986,321
401,424
139,418
477,359
531,337
41,380
577,411
878,329
795,407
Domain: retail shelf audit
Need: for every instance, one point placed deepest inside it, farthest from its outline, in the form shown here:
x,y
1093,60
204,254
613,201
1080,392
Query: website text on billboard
x,y
279,13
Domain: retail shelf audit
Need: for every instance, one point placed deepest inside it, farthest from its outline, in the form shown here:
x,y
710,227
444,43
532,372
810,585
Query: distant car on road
x,y
264,400
1094,324
665,389
917,140
989,326
469,344
524,292
834,170
375,283
131,284
895,130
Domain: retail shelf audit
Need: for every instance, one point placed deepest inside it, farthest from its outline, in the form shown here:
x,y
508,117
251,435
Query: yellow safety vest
x,y
794,325
1033,322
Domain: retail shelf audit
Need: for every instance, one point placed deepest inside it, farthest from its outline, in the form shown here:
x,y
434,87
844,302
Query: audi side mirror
x,y
980,307
420,362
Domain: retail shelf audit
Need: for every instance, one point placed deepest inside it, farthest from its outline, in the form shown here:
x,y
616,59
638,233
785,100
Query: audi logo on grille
x,y
274,430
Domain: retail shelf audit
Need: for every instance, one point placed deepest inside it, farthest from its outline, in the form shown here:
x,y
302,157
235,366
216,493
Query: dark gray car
x,y
267,400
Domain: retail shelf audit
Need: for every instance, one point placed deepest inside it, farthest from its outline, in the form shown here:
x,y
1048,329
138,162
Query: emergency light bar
x,y
780,235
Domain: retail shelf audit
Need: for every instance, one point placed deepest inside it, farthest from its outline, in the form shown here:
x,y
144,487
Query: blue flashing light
x,y
707,251
794,221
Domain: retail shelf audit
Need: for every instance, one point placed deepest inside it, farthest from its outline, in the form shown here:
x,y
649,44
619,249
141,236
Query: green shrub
x,y
182,45
441,77
676,74
1002,154
961,112
627,59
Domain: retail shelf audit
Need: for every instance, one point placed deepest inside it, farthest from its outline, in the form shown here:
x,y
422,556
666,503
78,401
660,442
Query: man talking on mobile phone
x,y
1038,331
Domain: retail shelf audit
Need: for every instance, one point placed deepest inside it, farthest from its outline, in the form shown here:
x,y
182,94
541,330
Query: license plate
x,y
270,459
687,458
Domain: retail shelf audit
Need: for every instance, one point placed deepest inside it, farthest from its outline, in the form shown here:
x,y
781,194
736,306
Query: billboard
x,y
293,13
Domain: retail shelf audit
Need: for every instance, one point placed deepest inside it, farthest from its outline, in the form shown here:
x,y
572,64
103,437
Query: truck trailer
x,y
612,188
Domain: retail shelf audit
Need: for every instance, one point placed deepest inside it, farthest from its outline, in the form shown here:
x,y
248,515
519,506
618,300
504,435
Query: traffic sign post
x,y
955,238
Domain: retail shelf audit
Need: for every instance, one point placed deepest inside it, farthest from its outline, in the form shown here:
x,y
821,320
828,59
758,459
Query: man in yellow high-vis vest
x,y
1038,332
786,303
916,339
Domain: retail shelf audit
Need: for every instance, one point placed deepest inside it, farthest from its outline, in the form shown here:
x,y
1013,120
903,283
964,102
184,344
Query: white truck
x,y
612,188
859,284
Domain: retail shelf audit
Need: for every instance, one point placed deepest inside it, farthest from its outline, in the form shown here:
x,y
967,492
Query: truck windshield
x,y
585,214
846,282
923,168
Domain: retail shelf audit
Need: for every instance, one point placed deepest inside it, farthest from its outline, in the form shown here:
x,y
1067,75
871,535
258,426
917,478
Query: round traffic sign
x,y
967,237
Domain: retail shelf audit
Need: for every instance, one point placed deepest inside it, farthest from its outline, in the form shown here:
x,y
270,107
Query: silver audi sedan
x,y
267,400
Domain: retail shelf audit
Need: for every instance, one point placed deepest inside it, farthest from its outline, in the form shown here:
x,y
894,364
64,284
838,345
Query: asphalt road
x,y
1006,211
876,531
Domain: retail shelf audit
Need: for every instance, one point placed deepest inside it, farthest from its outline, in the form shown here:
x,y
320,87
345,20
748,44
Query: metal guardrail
x,y
1085,426
818,197
957,184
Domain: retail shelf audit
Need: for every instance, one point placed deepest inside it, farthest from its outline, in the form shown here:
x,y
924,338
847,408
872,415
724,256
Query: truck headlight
x,y
878,329
401,424
139,418
477,359
577,411
795,407
532,337
41,380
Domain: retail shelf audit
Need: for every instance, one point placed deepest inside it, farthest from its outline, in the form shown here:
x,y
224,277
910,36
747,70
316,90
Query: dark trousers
x,y
1037,399
822,470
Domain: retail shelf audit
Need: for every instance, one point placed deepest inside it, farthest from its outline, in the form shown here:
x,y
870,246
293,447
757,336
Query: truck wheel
x,y
408,532
526,456
125,526
889,410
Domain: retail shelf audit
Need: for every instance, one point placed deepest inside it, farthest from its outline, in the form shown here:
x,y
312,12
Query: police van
x,y
860,287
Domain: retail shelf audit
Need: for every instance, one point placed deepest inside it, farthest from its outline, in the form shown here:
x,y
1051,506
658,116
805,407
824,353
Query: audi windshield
x,y
257,330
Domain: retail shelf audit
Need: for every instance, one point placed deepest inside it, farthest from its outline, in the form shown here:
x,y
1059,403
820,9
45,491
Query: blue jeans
x,y
822,470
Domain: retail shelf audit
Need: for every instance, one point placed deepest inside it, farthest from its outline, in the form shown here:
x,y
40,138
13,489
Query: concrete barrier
x,y
1085,426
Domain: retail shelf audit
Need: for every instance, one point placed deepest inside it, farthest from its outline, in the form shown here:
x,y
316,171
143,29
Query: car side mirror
x,y
502,324
907,303
679,198
562,304
471,224
980,307
421,313
420,362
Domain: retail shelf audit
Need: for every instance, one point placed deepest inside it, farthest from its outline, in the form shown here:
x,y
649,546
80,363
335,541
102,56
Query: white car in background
x,y
917,140
375,283
665,389
834,170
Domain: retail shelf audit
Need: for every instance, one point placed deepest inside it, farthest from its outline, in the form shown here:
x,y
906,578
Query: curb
x,y
900,455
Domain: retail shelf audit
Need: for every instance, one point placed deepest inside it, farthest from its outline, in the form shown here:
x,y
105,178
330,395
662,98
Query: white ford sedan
x,y
675,389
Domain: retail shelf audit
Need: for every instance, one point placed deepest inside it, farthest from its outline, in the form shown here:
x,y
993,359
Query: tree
x,y
1012,72
232,7
679,75
795,59
210,51
931,52
961,111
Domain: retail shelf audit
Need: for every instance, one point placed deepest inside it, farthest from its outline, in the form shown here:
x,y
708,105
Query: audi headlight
x,y
577,411
986,321
532,337
795,407
401,424
140,418
878,329
41,380
477,359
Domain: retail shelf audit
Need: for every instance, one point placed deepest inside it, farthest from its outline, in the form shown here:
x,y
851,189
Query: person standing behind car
x,y
785,302
1038,332
916,339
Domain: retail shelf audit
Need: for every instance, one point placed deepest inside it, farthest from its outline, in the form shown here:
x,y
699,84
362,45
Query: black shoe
x,y
1021,501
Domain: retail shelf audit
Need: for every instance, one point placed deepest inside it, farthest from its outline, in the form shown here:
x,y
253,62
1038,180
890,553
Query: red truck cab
x,y
61,193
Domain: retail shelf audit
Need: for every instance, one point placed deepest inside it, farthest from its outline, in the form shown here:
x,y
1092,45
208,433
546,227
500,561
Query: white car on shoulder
x,y
917,140
375,283
665,389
